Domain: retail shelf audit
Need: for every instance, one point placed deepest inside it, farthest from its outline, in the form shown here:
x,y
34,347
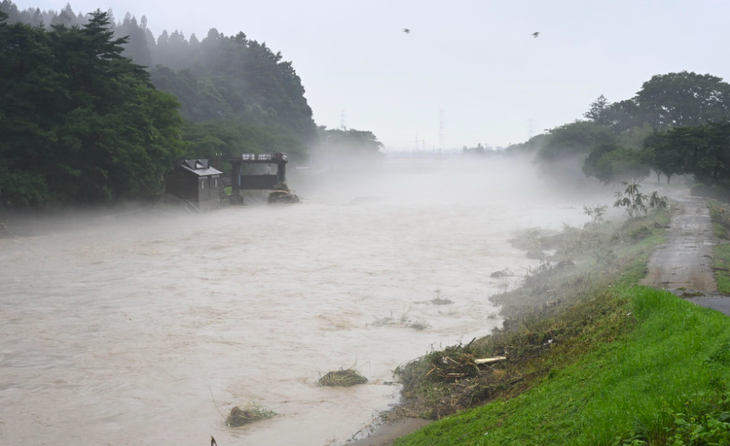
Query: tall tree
x,y
575,139
683,99
80,123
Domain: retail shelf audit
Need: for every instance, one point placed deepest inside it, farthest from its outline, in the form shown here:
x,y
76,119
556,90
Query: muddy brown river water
x,y
130,331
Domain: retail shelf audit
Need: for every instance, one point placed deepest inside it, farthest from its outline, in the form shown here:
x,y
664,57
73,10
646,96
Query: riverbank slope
x,y
610,368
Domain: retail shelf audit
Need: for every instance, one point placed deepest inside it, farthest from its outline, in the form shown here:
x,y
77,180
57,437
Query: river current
x,y
145,329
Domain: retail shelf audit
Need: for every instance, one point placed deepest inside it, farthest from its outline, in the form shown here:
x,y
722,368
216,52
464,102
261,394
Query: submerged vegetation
x,y
249,413
404,320
342,378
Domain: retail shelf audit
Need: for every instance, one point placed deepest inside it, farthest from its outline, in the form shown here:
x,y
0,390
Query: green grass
x,y
721,259
658,376
721,253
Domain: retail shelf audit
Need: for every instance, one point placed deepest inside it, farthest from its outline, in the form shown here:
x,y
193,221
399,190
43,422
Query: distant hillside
x,y
220,77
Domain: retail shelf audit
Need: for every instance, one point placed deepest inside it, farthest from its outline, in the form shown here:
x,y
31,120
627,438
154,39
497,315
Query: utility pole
x,y
342,121
442,131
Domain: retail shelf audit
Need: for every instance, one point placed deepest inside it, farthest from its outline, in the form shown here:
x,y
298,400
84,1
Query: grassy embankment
x,y
721,253
592,359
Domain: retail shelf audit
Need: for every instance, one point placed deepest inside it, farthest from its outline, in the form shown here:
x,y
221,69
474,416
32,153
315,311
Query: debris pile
x,y
456,363
280,193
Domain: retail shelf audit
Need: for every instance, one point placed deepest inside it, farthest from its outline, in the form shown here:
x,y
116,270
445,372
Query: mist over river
x,y
119,331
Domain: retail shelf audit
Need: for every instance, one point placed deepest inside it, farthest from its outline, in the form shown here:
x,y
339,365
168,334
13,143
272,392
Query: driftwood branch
x,y
490,360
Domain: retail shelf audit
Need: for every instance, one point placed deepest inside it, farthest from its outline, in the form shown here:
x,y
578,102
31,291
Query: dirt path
x,y
683,264
684,261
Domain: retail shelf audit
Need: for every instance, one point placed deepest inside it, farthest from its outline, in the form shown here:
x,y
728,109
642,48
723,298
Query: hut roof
x,y
199,167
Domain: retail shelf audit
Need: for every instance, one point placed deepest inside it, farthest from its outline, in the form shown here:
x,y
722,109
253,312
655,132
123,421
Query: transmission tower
x,y
442,131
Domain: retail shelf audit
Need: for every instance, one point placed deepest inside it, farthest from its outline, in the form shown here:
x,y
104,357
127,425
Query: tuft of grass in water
x,y
249,413
384,321
419,325
403,321
438,300
342,378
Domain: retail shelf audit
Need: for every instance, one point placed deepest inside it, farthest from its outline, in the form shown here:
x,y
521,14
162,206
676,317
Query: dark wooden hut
x,y
194,182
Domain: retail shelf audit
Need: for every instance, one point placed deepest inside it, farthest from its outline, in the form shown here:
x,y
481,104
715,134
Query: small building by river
x,y
194,182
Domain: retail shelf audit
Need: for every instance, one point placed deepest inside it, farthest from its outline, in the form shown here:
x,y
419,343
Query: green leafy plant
x,y
635,202
595,213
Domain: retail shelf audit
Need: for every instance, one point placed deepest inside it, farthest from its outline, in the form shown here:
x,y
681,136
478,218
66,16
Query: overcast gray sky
x,y
475,60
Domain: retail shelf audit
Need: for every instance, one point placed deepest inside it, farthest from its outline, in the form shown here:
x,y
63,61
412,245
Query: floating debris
x,y
281,194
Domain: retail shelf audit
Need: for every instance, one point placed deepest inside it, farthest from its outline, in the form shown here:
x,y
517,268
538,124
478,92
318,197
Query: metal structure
x,y
241,182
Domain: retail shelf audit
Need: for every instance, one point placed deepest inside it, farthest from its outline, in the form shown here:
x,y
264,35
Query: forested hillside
x,y
218,77
79,122
233,94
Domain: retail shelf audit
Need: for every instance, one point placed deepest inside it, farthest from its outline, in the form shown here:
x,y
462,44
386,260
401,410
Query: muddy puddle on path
x,y
118,333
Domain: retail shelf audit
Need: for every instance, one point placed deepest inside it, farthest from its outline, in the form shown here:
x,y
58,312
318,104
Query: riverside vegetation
x,y
591,357
721,252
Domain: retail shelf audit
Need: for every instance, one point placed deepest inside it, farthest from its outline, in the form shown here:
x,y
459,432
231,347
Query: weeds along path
x,y
684,262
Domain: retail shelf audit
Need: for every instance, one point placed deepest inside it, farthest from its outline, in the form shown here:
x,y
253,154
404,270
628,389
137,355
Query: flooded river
x,y
130,331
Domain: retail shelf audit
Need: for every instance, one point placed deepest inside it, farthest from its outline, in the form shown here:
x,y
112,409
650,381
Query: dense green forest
x,y
677,124
79,122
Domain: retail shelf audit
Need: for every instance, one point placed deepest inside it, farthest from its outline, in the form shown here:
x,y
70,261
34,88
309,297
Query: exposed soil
x,y
683,264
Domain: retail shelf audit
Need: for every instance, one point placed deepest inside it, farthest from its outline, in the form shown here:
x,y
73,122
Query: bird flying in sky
x,y
406,30
535,34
